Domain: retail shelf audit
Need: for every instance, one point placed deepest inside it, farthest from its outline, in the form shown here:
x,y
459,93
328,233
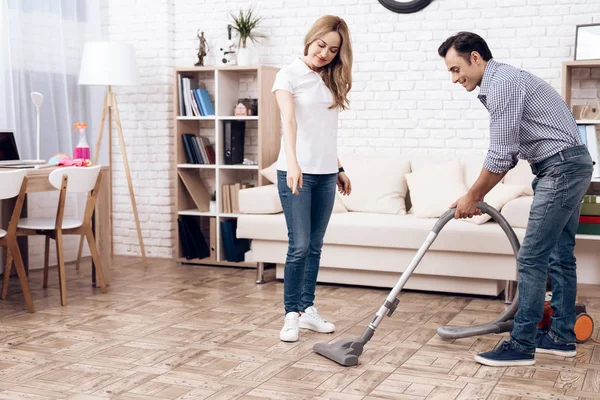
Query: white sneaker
x,y
310,319
289,332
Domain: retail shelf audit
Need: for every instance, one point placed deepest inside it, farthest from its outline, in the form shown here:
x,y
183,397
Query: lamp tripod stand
x,y
110,107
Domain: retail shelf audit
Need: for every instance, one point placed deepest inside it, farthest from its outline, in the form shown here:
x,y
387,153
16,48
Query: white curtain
x,y
41,44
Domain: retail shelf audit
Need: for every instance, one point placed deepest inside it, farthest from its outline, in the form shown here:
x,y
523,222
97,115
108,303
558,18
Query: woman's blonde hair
x,y
337,75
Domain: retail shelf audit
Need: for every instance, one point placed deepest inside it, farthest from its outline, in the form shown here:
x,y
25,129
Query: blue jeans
x,y
561,182
306,215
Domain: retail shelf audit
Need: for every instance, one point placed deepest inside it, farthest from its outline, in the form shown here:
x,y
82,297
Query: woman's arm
x,y
290,128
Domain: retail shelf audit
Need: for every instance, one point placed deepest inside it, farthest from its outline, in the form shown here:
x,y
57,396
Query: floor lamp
x,y
111,64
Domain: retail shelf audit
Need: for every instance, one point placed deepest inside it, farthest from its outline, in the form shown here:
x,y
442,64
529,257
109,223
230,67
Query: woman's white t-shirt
x,y
316,138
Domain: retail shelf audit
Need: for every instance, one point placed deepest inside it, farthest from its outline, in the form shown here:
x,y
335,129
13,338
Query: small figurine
x,y
202,49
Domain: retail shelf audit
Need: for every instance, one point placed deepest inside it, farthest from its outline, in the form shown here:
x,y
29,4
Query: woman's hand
x,y
343,183
294,177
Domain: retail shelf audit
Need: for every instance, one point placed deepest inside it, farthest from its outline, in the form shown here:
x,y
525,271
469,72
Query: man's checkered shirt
x,y
528,118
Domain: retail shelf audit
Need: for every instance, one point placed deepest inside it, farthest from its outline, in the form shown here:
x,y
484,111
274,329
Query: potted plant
x,y
245,24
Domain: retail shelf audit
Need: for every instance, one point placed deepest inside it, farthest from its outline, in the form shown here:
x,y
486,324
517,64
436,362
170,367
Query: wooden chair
x,y
14,183
72,180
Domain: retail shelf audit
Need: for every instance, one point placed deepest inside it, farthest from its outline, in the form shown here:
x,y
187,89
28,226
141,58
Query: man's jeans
x,y
561,182
306,215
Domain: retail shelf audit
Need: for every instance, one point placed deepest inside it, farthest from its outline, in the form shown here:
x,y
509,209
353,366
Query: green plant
x,y
213,196
245,23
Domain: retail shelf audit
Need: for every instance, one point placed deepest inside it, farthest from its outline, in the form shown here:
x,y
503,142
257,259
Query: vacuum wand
x,y
347,351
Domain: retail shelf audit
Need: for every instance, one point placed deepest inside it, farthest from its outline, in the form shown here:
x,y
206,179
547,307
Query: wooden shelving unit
x,y
567,75
567,86
196,182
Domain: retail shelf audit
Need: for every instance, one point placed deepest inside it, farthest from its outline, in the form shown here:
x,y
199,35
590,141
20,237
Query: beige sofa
x,y
371,237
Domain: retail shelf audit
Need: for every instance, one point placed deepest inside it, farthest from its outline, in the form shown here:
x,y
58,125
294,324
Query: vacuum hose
x,y
504,321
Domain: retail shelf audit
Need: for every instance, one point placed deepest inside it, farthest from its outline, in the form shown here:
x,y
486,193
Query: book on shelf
x,y
589,137
234,133
589,218
193,242
198,149
230,197
193,100
234,248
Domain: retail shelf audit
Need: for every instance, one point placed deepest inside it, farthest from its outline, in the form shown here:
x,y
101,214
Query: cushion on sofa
x,y
471,164
265,200
521,175
516,211
497,198
270,173
260,200
435,188
378,183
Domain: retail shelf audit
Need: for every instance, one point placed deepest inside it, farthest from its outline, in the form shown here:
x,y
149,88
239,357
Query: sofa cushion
x,y
378,183
521,175
434,189
389,231
497,198
260,200
270,173
516,211
471,164
265,200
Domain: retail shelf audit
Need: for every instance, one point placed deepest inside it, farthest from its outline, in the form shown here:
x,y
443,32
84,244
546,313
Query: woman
x,y
310,93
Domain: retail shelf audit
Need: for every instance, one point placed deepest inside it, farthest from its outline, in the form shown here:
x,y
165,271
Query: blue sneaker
x,y
547,345
505,355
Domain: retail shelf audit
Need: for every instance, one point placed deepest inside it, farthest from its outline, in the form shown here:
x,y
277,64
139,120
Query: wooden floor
x,y
191,332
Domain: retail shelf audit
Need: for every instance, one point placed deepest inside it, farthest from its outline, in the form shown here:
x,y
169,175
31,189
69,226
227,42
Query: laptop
x,y
9,154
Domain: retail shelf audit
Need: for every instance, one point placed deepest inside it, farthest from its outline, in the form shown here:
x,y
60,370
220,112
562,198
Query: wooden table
x,y
37,181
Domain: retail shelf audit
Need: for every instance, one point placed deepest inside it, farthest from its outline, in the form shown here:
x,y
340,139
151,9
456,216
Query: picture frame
x,y
587,38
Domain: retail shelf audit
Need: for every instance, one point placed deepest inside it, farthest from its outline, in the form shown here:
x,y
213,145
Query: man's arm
x,y
505,104
486,182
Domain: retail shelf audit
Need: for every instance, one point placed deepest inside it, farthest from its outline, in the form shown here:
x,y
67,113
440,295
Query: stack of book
x,y
198,149
193,242
230,199
589,219
234,248
589,137
194,101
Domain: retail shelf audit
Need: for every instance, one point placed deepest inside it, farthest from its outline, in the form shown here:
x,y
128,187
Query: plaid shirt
x,y
528,118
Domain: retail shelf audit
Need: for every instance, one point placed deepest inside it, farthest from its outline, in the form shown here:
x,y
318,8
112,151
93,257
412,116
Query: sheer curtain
x,y
41,46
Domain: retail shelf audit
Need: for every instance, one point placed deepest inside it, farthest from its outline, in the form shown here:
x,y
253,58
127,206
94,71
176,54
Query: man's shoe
x,y
289,332
505,355
310,319
546,345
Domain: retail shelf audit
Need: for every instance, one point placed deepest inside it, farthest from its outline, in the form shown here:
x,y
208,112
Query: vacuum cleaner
x,y
346,351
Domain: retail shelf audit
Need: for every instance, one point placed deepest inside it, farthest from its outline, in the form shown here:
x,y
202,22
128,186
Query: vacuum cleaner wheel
x,y
584,327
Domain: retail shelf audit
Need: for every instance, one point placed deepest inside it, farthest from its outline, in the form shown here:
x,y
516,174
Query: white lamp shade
x,y
108,63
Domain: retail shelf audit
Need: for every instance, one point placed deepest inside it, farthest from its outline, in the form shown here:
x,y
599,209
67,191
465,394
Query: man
x,y
529,120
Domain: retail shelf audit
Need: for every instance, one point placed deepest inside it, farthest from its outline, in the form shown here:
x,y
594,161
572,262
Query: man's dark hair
x,y
464,43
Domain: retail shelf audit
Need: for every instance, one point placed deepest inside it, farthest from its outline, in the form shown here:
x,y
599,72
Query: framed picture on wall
x,y
587,38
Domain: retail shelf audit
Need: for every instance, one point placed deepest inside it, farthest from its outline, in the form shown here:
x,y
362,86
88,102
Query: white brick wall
x,y
402,100
145,113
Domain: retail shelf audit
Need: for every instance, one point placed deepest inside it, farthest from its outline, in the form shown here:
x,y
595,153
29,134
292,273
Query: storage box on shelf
x,y
209,173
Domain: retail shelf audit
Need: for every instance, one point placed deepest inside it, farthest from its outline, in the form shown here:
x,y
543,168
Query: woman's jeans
x,y
306,215
561,182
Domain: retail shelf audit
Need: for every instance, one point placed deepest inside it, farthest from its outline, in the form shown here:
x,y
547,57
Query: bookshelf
x,y
567,87
197,179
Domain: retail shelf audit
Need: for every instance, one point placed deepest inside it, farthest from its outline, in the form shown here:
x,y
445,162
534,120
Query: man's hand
x,y
466,207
